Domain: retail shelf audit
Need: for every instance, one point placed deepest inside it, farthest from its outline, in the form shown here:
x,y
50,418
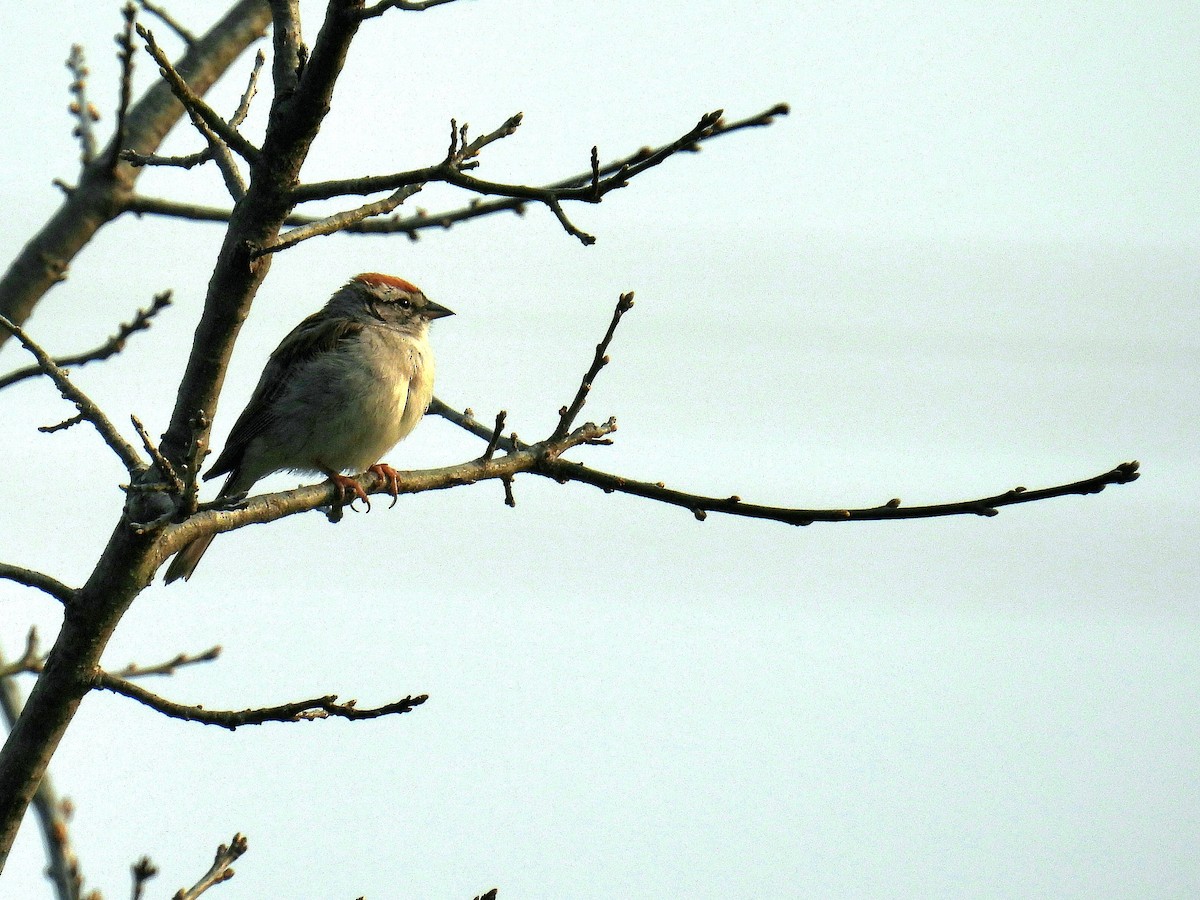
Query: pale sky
x,y
967,261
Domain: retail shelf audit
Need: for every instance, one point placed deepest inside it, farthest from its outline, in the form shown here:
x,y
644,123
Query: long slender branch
x,y
700,505
423,220
87,408
339,221
296,711
114,345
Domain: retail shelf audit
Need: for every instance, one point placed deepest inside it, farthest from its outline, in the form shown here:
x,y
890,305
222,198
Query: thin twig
x,y
298,711
82,402
192,101
114,345
39,580
220,870
495,439
568,413
165,469
30,661
76,419
170,21
85,114
125,55
133,670
338,221
243,107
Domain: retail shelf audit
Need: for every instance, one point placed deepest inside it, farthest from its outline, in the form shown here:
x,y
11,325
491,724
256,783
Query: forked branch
x,y
87,408
193,103
219,871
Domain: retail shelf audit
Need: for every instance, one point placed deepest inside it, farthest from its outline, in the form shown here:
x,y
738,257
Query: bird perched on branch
x,y
343,388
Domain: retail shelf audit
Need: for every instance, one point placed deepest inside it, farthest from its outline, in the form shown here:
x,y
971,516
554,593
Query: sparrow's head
x,y
390,300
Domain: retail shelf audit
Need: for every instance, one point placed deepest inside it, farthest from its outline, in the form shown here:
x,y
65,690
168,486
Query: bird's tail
x,y
186,560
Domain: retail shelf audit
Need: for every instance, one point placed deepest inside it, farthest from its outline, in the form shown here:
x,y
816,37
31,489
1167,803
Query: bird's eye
x,y
404,303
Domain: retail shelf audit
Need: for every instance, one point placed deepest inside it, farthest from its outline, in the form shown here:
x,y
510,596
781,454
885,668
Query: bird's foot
x,y
391,480
349,490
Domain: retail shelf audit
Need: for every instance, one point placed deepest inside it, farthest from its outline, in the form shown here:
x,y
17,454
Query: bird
x,y
344,387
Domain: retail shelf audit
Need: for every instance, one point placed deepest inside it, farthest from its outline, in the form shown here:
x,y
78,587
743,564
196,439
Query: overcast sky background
x,y
967,261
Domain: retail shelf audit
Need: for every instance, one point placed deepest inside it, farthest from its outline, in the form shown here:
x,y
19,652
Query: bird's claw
x,y
391,480
349,490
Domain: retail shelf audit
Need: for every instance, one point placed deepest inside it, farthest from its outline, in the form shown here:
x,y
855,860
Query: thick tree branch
x,y
87,408
297,711
111,347
53,814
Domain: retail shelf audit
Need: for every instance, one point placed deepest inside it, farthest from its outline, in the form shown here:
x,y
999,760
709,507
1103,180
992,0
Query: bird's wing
x,y
315,335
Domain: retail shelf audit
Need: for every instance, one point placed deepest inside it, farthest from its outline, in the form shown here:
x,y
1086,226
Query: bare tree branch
x,y
125,43
179,661
39,580
700,505
193,103
85,114
87,408
534,458
53,814
568,413
30,661
170,21
142,871
98,197
423,220
297,711
338,221
379,9
219,871
111,347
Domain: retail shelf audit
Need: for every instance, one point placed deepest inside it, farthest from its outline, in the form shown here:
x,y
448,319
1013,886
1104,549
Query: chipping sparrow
x,y
342,389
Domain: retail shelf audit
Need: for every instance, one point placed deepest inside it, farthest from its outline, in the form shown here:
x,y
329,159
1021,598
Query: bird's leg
x,y
349,490
391,479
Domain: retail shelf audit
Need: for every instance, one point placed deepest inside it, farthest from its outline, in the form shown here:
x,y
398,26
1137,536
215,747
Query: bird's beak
x,y
436,310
